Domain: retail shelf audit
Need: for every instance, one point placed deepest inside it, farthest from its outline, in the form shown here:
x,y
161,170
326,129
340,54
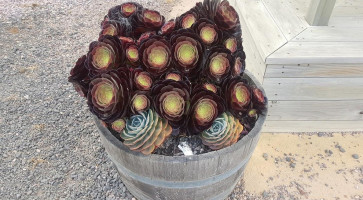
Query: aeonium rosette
x,y
109,95
225,131
218,64
187,52
79,77
142,80
226,17
238,95
171,100
167,28
239,63
207,31
115,28
140,102
205,107
156,55
145,132
104,55
122,12
145,20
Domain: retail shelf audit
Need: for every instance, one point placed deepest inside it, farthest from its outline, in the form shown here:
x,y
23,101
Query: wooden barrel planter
x,y
211,175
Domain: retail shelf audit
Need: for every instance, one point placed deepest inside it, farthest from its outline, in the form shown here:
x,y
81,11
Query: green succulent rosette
x,y
145,132
224,132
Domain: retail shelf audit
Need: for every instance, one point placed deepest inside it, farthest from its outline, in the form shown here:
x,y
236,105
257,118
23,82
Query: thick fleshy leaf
x,y
226,16
79,77
142,79
218,65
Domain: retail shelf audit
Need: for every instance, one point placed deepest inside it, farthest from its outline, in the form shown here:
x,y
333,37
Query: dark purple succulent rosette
x,y
79,77
226,17
218,65
167,28
187,52
238,95
115,28
131,53
187,19
105,55
141,79
205,107
145,20
145,36
239,63
232,42
140,101
208,32
109,95
155,55
175,75
122,11
171,101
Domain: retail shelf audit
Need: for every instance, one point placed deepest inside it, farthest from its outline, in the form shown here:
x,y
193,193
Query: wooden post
x,y
319,12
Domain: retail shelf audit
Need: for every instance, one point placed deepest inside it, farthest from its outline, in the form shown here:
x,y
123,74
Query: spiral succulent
x,y
105,55
140,102
109,95
225,131
156,55
208,31
145,20
171,101
218,65
145,132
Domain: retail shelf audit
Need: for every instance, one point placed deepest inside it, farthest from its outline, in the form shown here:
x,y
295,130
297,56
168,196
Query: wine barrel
x,y
211,175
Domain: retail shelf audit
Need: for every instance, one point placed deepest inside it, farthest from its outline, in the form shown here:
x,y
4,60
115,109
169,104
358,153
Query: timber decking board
x,y
316,110
266,34
318,52
285,18
312,126
313,89
348,22
314,70
330,34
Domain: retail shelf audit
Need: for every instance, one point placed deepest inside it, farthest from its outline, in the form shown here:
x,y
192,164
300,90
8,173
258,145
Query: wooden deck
x,y
313,75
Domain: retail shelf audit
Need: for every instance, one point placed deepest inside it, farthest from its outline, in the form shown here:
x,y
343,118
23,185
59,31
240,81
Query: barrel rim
x,y
162,158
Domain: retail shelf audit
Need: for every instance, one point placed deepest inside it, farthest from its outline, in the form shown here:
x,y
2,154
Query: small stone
x,y
361,180
292,165
320,134
265,194
265,156
341,149
355,156
288,159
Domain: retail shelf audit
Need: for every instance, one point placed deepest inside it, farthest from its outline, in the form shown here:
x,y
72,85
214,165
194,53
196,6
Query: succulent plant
x,y
142,80
144,20
156,55
238,95
145,132
79,77
218,65
208,31
105,55
140,102
146,79
225,131
205,107
109,95
226,17
187,52
171,100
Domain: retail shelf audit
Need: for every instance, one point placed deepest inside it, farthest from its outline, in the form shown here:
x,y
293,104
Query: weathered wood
x,y
330,34
265,33
348,11
312,126
319,12
314,70
285,18
316,110
354,21
299,6
254,62
298,89
318,52
353,3
206,176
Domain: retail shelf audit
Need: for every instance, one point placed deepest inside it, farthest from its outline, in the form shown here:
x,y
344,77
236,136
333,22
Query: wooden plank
x,y
314,70
354,21
299,89
264,31
348,11
316,110
254,62
299,6
319,12
318,52
349,3
312,126
285,18
330,34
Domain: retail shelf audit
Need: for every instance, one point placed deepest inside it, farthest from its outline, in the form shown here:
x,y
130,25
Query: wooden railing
x,y
319,12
